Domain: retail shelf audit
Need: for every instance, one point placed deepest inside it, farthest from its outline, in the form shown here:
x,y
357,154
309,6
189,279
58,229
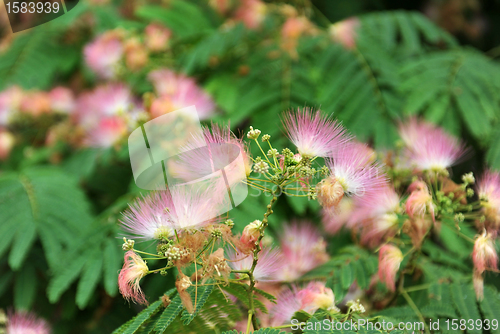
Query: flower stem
x,y
251,311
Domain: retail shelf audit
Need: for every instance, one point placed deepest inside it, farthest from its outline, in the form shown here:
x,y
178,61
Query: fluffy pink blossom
x,y
420,201
352,173
10,100
309,299
334,218
303,249
488,190
26,323
484,255
104,53
7,142
376,216
62,100
389,260
314,134
107,132
270,262
147,217
344,32
157,37
429,147
103,101
177,91
35,103
134,269
251,13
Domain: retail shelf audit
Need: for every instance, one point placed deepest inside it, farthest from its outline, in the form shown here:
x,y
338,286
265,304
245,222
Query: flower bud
x,y
253,133
329,192
390,258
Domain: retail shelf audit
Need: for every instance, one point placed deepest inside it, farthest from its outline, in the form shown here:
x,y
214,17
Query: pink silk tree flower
x,y
314,135
35,103
484,255
353,173
270,262
488,190
376,216
26,323
62,100
10,101
309,299
7,141
147,219
429,147
134,269
389,260
157,37
420,201
106,133
251,13
104,53
334,218
177,91
344,32
303,249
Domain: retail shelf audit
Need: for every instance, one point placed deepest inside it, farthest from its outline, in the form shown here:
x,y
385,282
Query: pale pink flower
x,y
221,6
7,142
429,147
134,269
104,53
355,171
177,91
26,323
104,101
484,255
270,261
309,299
62,100
420,201
344,32
334,218
389,260
478,283
303,249
107,132
250,235
376,216
10,100
251,13
488,190
313,134
136,55
157,37
147,217
35,103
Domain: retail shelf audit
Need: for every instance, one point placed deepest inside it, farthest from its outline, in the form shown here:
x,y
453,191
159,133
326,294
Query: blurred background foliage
x,y
58,217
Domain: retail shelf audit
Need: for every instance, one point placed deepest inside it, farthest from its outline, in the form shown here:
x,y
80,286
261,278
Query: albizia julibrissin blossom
x,y
335,218
157,215
352,172
147,218
309,299
177,91
103,54
484,255
344,32
134,269
488,190
429,147
314,135
420,201
157,37
389,260
26,323
376,216
303,249
270,261
251,13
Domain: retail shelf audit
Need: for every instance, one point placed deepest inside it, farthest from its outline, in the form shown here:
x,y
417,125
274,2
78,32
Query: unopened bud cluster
x,y
356,306
253,133
176,253
128,244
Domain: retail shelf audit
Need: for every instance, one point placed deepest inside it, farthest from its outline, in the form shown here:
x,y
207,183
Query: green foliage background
x,y
59,252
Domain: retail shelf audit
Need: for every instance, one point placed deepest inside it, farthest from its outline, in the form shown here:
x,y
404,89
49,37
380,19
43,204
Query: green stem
x,y
414,308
